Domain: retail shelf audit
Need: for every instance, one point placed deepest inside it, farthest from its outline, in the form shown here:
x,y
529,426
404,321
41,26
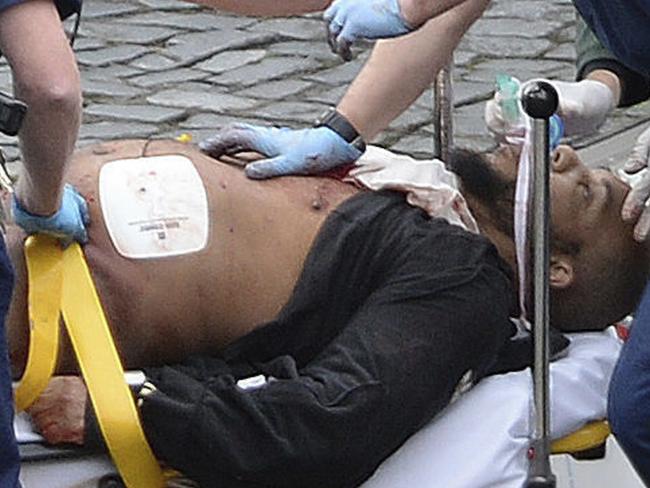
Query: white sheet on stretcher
x,y
480,441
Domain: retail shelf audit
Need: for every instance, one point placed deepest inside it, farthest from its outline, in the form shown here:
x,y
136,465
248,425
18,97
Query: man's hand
x,y
637,204
68,223
58,414
584,106
302,152
351,20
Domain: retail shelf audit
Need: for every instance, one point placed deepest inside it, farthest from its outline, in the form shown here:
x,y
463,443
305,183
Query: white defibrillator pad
x,y
154,206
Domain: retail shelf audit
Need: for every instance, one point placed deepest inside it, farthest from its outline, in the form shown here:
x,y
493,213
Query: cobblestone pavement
x,y
155,68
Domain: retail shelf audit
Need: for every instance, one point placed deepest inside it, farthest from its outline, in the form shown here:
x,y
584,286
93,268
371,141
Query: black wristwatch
x,y
333,120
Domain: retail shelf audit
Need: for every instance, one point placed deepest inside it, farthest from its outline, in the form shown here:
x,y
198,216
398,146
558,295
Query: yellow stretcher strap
x,y
44,276
104,375
590,436
60,282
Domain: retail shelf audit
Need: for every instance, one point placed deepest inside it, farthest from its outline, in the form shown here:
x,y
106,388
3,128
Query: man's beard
x,y
482,182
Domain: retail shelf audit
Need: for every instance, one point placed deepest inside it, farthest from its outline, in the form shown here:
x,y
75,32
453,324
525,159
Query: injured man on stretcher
x,y
358,315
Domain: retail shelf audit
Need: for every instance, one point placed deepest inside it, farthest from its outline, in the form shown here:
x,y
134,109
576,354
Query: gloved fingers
x,y
642,227
640,155
344,42
635,202
238,138
339,45
343,48
268,168
331,11
82,205
332,25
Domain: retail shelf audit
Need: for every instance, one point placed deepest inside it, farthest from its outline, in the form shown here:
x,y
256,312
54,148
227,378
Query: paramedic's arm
x,y
266,7
400,70
396,74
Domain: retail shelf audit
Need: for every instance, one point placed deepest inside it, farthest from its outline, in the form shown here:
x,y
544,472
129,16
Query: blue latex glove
x,y
301,152
351,20
68,223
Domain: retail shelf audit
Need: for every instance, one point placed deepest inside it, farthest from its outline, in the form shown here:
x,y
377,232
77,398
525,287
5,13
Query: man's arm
x,y
266,7
400,70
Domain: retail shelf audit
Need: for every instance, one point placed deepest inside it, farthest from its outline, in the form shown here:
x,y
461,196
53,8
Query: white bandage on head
x,y
154,206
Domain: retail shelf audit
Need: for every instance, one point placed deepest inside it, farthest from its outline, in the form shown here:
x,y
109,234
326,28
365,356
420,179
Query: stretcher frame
x,y
540,101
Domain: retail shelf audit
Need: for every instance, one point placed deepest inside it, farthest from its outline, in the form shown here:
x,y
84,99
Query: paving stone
x,y
522,9
88,43
313,49
293,28
213,122
168,5
414,145
293,111
522,69
326,94
99,8
112,88
153,62
209,101
465,58
515,28
165,78
468,121
480,144
414,116
344,73
197,46
116,130
104,73
230,60
109,55
126,33
135,113
506,47
471,91
195,21
267,69
565,52
278,90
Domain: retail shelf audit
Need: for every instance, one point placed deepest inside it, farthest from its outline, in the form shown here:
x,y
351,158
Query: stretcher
x,y
437,456
501,464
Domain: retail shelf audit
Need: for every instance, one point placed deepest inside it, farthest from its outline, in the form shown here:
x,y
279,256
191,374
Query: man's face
x,y
585,203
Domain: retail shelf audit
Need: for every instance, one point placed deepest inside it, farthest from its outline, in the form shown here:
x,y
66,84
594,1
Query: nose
x,y
563,159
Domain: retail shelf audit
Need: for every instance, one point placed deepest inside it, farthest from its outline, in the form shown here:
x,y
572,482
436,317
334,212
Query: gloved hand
x,y
584,106
351,20
303,152
637,204
68,223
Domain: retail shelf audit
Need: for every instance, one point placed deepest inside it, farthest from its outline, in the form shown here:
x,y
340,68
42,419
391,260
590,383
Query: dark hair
x,y
608,290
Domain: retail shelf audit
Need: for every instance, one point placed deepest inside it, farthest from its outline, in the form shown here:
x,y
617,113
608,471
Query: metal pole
x,y
443,103
540,101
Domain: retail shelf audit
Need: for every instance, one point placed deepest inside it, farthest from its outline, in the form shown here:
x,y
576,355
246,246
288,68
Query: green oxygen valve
x,y
508,90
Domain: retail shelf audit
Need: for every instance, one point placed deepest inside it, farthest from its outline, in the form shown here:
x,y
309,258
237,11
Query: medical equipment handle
x,y
443,103
540,101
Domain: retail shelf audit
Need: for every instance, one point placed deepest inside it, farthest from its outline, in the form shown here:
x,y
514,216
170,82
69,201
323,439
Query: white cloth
x,y
427,184
481,440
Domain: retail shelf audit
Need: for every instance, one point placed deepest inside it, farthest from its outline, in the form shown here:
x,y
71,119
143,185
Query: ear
x,y
561,272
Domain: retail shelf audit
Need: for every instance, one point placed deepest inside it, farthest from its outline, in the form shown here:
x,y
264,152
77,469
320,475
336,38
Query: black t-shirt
x,y
391,311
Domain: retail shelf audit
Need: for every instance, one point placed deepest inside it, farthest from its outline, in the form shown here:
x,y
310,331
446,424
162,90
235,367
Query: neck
x,y
504,243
